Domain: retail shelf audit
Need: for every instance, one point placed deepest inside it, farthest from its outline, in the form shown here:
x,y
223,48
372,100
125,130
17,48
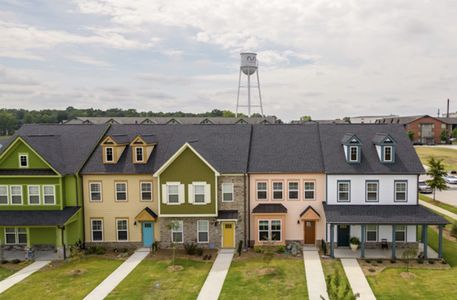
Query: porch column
x,y
332,254
29,244
394,246
440,241
425,241
362,239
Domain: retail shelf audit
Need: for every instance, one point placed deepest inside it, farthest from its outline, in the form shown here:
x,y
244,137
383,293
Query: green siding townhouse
x,y
40,189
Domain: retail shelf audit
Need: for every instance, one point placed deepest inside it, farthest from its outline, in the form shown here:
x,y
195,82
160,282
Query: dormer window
x,y
385,147
353,153
23,161
387,153
139,154
109,154
352,148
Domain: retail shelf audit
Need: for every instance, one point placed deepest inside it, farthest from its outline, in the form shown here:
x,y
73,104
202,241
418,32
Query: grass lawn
x,y
448,155
64,280
252,278
445,206
333,268
9,269
5,273
184,284
392,283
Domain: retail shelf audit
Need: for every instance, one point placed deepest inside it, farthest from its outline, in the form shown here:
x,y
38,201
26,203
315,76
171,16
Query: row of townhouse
x,y
124,185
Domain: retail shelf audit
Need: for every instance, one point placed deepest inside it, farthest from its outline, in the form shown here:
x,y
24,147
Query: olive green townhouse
x,y
194,177
40,189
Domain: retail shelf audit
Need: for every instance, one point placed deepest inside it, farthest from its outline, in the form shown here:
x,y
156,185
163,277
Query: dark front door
x,y
310,232
343,235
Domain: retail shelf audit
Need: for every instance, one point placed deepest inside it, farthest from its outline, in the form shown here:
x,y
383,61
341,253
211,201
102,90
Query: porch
x,y
39,255
378,253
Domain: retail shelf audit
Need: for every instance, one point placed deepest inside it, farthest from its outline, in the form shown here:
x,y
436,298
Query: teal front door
x,y
148,234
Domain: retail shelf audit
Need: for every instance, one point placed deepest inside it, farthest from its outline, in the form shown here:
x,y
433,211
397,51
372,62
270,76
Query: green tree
x,y
409,253
436,171
443,135
347,119
411,135
337,288
8,122
305,118
173,226
454,133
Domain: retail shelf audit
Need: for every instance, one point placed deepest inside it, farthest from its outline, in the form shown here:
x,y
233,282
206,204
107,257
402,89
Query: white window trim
x,y
181,231
54,194
366,191
142,154
257,190
127,229
7,195
356,153
141,191
198,232
11,195
39,194
305,190
231,191
338,191
26,159
90,191
258,230
199,183
92,230
168,184
293,190
16,236
273,190
116,192
377,233
269,230
384,154
106,154
406,190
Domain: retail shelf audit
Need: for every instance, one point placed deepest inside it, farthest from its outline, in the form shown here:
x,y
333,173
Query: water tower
x,y
249,66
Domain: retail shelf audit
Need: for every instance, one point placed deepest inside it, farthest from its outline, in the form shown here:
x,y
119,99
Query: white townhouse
x,y
371,188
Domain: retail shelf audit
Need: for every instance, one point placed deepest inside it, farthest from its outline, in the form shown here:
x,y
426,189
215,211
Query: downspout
x,y
78,185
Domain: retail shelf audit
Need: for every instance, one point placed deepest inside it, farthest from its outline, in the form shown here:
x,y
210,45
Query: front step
x,y
309,248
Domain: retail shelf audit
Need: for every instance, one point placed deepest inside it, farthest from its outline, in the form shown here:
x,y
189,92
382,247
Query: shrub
x,y
155,247
454,230
98,250
354,240
3,261
240,248
324,247
393,261
281,249
379,261
367,261
190,248
15,261
338,289
431,262
199,251
258,249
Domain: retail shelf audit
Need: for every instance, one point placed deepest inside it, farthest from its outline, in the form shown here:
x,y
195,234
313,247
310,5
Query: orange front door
x,y
310,232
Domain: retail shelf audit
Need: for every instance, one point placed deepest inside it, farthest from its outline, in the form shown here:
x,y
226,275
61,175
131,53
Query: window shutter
x,y
182,197
164,194
191,195
208,193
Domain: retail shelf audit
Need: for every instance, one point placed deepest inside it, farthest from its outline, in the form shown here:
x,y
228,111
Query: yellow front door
x,y
228,235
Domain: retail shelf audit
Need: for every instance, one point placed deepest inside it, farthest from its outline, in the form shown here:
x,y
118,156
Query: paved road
x,y
448,196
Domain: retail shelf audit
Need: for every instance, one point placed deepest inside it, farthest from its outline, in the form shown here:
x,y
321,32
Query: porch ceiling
x,y
382,214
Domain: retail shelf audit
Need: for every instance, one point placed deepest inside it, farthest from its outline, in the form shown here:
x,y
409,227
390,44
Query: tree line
x,y
12,119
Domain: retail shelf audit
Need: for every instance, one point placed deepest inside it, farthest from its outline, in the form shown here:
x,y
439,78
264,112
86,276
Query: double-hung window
x,y
278,190
97,230
95,190
202,231
16,194
23,161
34,194
121,191
293,190
372,191
344,191
262,190
227,192
309,190
388,153
270,230
173,193
199,193
371,233
275,230
139,154
49,195
3,194
353,153
122,228
16,236
401,188
109,154
400,233
177,232
264,230
146,191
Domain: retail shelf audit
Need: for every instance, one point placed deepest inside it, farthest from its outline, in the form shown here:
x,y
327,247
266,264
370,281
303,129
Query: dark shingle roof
x,y
64,147
225,147
285,148
36,217
269,208
227,214
380,137
382,214
173,120
406,159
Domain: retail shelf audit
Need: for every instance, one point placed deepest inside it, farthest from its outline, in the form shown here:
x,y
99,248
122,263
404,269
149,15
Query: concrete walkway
x,y
315,279
438,209
113,280
216,277
357,279
21,275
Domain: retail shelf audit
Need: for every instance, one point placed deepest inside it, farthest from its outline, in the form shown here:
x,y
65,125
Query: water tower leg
x,y
260,95
249,95
238,97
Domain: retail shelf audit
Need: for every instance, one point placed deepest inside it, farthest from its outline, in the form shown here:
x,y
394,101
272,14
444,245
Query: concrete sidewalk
x,y
21,275
315,279
216,277
113,280
439,209
357,279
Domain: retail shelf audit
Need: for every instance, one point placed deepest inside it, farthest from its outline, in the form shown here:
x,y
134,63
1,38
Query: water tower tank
x,y
248,63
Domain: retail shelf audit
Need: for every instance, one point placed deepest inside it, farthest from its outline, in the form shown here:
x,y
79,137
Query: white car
x,y
451,179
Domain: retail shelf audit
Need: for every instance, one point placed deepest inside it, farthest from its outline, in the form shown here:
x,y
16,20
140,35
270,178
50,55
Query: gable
x,y
186,165
10,157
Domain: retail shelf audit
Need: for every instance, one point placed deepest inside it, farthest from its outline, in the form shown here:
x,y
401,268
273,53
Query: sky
x,y
327,59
